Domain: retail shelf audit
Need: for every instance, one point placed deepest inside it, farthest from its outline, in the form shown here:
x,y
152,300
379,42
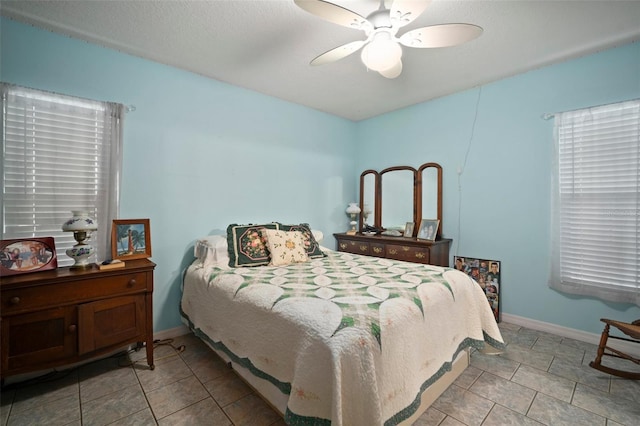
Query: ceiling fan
x,y
382,51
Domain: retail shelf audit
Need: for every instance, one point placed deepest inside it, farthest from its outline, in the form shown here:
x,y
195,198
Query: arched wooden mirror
x,y
429,199
402,194
368,195
397,197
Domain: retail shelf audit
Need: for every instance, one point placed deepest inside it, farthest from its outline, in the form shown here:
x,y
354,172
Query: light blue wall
x,y
198,154
504,191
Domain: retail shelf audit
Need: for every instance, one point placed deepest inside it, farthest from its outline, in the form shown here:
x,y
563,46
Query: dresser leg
x,y
150,355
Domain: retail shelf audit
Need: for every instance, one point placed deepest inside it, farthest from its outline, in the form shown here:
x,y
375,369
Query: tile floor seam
x,y
221,408
157,419
129,415
215,401
146,398
80,400
13,401
535,395
488,412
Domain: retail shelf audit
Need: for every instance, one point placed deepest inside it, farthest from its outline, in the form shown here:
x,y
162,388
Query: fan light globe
x,y
382,53
392,72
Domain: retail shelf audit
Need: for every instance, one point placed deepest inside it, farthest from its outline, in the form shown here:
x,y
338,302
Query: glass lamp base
x,y
80,253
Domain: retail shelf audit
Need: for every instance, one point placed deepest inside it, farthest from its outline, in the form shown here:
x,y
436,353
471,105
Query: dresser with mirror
x,y
388,200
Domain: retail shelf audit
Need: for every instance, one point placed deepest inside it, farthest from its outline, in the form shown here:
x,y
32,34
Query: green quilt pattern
x,y
358,285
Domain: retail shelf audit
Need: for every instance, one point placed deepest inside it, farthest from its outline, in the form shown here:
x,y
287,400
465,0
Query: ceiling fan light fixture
x,y
392,72
382,48
382,53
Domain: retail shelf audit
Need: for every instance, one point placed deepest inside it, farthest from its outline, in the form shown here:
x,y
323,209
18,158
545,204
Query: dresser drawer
x,y
407,249
407,253
356,247
377,249
74,291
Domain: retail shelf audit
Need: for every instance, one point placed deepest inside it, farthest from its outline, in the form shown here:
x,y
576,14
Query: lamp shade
x,y
80,222
353,208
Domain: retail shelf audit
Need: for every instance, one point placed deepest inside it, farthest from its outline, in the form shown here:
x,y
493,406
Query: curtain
x,y
596,203
60,153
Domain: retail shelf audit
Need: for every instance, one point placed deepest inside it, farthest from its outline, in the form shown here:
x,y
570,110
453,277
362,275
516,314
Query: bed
x,y
338,339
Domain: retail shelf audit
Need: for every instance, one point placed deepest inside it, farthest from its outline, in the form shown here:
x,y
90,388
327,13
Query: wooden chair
x,y
630,329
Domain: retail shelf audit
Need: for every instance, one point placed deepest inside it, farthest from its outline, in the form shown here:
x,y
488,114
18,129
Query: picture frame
x,y
27,255
408,229
130,239
487,274
428,229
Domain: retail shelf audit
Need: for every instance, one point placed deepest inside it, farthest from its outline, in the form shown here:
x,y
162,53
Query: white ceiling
x,y
266,45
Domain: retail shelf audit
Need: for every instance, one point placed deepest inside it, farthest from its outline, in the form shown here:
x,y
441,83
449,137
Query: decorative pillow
x,y
247,246
212,250
285,247
311,246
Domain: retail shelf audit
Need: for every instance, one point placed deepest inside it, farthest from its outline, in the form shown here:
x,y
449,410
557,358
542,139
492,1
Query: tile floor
x,y
541,379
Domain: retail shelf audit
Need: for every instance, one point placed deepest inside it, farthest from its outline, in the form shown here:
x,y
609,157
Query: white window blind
x,y
59,154
596,204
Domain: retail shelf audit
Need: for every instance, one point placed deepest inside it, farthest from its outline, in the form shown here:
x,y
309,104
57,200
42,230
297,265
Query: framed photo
x,y
408,229
130,239
487,274
428,229
25,255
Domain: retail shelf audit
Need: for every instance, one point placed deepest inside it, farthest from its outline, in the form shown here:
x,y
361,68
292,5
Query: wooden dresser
x,y
64,316
397,248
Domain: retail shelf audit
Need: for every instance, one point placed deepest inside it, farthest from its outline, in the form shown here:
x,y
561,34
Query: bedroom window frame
x,y
595,203
59,153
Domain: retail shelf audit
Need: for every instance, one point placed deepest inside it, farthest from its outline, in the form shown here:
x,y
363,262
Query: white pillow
x,y
318,235
212,251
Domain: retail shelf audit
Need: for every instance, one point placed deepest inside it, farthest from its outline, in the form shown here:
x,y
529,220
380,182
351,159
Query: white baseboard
x,y
572,333
171,333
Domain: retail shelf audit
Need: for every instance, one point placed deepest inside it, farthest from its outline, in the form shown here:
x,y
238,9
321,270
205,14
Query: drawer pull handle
x,y
405,248
363,248
420,255
377,250
14,300
131,282
343,246
393,251
72,328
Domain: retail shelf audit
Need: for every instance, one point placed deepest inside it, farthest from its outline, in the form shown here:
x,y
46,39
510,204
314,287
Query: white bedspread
x,y
353,340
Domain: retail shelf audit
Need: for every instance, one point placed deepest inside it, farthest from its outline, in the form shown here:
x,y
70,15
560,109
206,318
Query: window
x,y
596,205
59,154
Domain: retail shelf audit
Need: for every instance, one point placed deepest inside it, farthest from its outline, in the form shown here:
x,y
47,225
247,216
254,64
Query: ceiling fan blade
x,y
334,13
338,53
444,35
404,12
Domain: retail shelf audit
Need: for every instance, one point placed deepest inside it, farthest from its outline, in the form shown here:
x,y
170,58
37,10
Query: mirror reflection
x,y
368,202
430,193
397,190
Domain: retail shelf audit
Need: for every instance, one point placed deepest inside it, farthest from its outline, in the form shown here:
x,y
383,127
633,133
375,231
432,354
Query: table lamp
x,y
353,210
81,225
